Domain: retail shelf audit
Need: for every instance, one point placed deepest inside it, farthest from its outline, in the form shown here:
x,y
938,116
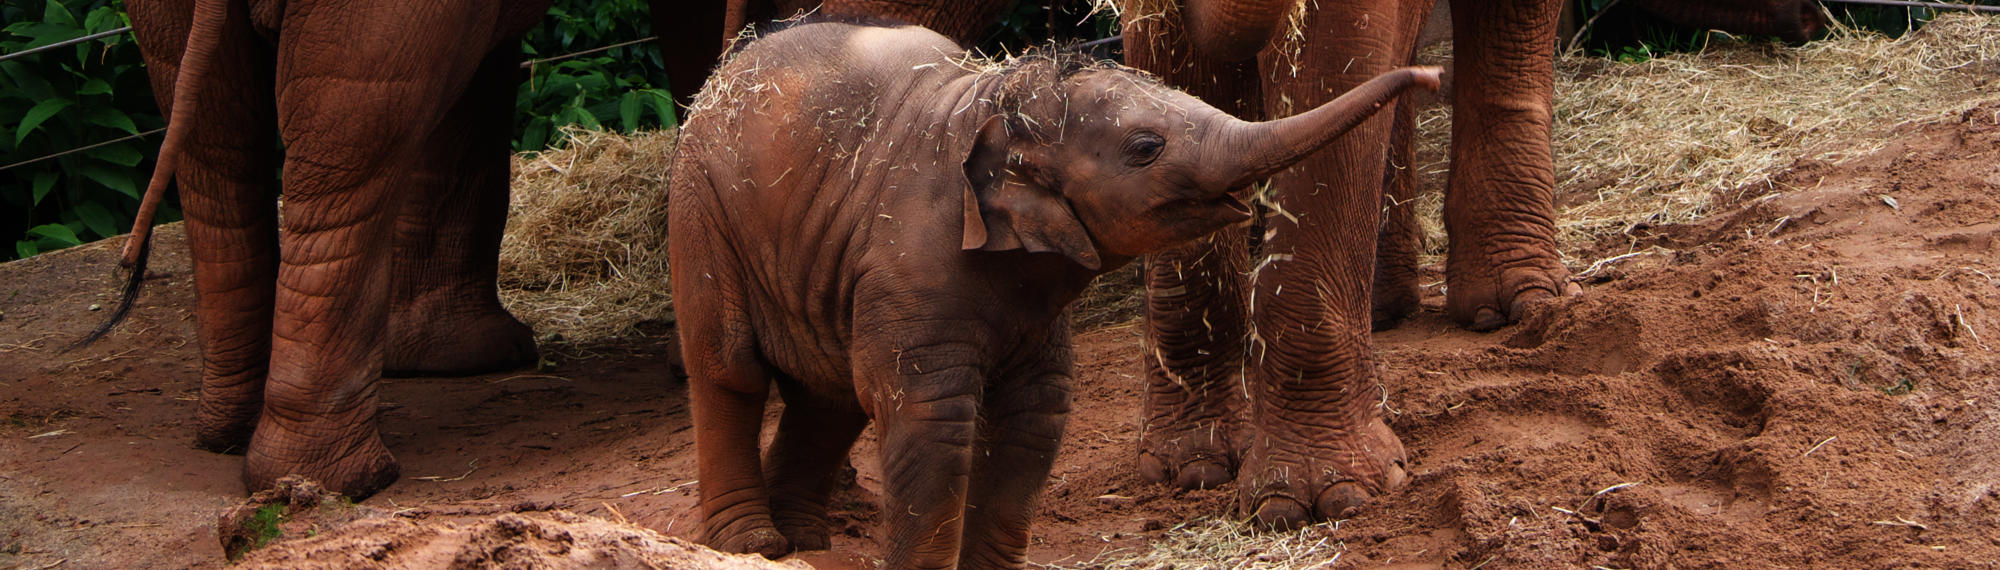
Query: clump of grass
x,y
263,526
585,254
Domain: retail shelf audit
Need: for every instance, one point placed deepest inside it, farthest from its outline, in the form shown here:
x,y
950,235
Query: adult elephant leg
x,y
690,37
1018,439
1397,293
445,314
228,188
802,465
1499,209
358,92
1195,315
1195,326
1318,442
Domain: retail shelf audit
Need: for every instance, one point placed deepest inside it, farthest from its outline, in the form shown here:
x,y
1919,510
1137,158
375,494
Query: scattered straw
x,y
1662,140
585,253
1223,543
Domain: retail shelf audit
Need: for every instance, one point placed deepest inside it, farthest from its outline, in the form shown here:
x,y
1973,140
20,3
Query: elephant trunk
x,y
1233,30
1255,151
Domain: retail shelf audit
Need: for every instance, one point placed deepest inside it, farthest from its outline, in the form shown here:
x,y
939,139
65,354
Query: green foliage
x,y
619,89
64,99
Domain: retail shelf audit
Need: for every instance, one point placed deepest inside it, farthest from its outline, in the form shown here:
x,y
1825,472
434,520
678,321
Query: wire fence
x,y
530,64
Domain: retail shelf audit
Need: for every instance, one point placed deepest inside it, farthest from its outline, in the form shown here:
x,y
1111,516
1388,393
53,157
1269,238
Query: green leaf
x,y
55,13
120,180
536,135
25,249
57,232
119,154
663,104
43,182
41,112
94,86
111,118
628,111
99,220
103,19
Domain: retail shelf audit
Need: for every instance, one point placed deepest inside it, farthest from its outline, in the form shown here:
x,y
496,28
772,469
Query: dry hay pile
x,y
1659,141
585,256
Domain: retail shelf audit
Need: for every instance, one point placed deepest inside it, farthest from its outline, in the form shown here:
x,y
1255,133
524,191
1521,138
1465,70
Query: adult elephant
x,y
394,119
1314,444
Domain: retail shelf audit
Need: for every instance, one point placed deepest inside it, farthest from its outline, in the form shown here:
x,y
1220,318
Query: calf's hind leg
x,y
727,387
805,455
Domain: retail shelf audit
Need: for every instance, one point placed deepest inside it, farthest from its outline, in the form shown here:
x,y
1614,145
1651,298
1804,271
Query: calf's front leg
x,y
1018,441
926,405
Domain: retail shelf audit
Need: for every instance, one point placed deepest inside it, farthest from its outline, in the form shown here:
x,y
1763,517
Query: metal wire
x,y
80,149
36,50
532,62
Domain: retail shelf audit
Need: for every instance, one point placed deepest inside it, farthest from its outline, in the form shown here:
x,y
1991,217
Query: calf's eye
x,y
1142,148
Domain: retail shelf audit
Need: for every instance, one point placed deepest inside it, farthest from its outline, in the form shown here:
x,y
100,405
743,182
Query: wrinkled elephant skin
x,y
1294,414
395,193
887,230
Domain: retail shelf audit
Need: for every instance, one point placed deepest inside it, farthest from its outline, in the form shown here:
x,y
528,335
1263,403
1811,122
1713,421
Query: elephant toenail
x,y
1203,474
1395,477
1152,469
1281,513
1488,319
1341,499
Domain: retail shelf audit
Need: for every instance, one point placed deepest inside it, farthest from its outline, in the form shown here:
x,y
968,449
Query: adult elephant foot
x,y
224,432
1288,486
436,342
356,467
1188,455
764,541
1484,304
229,409
1397,296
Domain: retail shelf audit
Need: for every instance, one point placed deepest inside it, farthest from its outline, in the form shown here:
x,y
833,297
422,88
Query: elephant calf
x,y
886,228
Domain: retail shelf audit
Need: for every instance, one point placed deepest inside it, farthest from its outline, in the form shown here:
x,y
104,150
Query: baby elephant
x,y
886,228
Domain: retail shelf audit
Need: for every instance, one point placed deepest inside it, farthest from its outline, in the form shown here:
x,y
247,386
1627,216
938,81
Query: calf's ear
x,y
1006,209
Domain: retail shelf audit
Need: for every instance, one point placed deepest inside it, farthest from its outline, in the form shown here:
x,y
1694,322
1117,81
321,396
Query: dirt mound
x,y
1803,380
298,525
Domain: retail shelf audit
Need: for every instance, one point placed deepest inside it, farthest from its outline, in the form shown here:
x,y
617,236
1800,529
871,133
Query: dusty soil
x,y
1801,380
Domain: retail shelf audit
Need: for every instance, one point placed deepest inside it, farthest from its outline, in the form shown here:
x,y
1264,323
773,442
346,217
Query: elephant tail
x,y
203,38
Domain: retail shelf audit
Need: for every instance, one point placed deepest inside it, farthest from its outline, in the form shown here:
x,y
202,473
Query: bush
x,y
607,90
66,99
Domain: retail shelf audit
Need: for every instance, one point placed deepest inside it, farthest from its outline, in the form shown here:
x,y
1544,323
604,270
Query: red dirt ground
x,y
1800,380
